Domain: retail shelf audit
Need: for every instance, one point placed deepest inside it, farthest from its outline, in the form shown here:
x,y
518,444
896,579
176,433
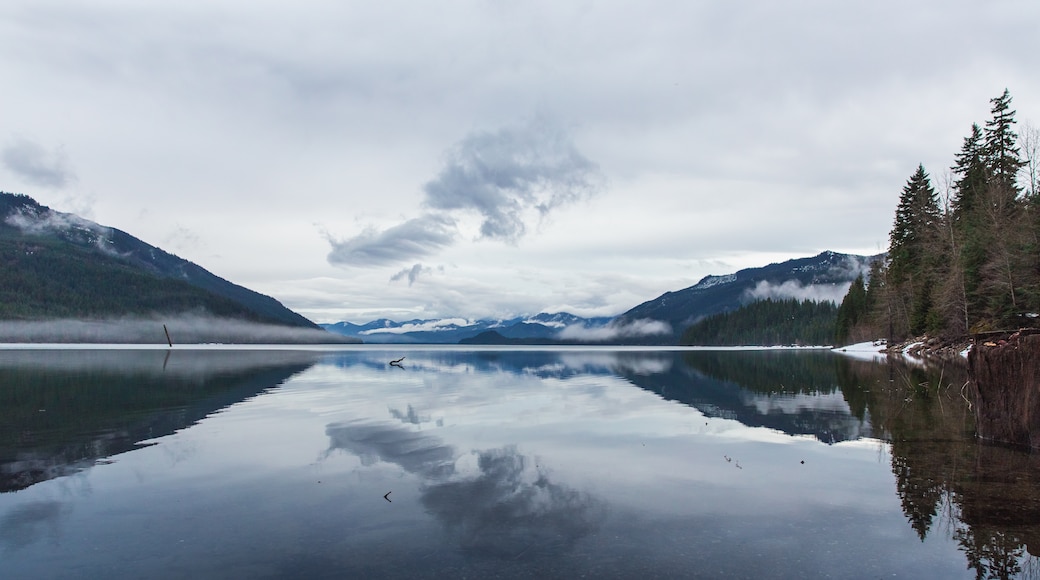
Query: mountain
x,y
660,321
540,329
60,266
826,276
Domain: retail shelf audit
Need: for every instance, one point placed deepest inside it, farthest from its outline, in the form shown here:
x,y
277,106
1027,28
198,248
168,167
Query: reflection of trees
x,y
769,371
988,496
60,411
509,508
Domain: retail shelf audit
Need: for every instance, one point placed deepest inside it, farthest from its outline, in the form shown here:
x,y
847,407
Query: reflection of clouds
x,y
505,506
27,523
409,416
511,509
418,453
638,363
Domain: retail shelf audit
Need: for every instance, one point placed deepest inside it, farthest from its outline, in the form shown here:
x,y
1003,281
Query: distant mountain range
x,y
59,266
656,322
539,328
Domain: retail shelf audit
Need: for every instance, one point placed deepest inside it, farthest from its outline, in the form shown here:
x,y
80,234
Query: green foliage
x,y
46,278
974,267
917,217
1002,155
56,265
852,309
768,323
970,170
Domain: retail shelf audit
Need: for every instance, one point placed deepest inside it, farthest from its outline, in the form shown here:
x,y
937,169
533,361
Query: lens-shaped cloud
x,y
508,177
414,238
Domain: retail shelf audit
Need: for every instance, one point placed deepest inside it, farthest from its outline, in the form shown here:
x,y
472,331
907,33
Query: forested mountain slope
x,y
58,265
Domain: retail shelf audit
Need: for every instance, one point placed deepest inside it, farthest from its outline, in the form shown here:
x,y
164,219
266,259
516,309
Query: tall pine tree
x,y
1001,152
970,170
912,260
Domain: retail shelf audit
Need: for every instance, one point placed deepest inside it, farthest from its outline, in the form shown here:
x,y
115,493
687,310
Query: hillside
x,y
826,276
60,266
767,323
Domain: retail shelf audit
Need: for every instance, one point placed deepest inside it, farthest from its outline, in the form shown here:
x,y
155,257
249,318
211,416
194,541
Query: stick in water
x,y
170,342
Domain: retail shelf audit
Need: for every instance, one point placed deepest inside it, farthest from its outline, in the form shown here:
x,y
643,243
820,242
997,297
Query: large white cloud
x,y
731,135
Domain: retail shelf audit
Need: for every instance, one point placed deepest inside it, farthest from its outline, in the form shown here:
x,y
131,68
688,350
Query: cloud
x,y
38,166
48,222
506,174
641,327
411,273
794,289
184,328
416,237
428,326
508,177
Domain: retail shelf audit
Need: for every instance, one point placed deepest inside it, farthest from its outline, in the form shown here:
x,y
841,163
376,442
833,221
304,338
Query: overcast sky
x,y
489,158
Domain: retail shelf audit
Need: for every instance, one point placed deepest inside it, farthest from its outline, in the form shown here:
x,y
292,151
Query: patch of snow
x,y
709,281
911,346
870,350
549,323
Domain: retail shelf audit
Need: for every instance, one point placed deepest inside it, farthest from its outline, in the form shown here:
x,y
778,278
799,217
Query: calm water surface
x,y
556,463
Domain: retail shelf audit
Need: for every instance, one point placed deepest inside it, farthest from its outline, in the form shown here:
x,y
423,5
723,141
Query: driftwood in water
x,y
1005,375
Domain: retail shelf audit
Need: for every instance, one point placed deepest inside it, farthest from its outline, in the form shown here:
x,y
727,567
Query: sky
x,y
358,160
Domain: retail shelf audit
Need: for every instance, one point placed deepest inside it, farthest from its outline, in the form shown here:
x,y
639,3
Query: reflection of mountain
x,y
506,508
794,392
799,393
61,411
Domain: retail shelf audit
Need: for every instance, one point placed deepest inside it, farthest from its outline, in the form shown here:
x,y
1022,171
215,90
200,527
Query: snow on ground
x,y
870,350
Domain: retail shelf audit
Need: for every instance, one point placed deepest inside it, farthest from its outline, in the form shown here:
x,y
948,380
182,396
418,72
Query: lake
x,y
510,463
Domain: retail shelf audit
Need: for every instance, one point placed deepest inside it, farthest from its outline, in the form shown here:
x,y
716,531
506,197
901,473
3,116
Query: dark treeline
x,y
965,261
768,323
47,278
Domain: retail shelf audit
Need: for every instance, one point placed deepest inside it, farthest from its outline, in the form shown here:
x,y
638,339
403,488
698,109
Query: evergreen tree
x,y
917,218
1001,224
912,252
971,175
852,309
1000,150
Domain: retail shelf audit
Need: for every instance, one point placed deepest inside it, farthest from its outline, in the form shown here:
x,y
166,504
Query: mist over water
x,y
183,329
